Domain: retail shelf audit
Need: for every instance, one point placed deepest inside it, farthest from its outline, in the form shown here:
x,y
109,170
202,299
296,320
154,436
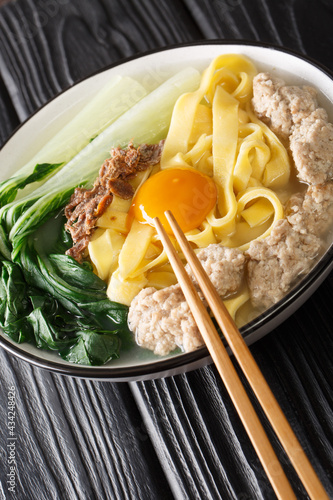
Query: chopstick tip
x,y
170,217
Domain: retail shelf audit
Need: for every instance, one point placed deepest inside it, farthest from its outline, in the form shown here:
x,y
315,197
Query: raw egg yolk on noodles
x,y
189,194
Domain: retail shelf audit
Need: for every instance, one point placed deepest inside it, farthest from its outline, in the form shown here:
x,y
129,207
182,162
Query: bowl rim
x,y
163,367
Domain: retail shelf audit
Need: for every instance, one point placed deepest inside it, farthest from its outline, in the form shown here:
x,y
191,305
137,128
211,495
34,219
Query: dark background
x,y
178,437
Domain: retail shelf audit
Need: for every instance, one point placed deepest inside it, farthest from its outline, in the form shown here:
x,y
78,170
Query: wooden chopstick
x,y
230,377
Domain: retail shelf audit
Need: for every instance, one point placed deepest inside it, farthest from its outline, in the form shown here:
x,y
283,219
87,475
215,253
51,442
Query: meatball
x,y
312,211
281,106
311,144
162,320
276,262
224,266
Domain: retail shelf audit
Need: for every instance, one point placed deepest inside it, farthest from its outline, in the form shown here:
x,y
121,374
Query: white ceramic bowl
x,y
153,68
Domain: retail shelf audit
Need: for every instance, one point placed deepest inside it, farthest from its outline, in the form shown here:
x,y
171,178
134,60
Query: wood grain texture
x,y
76,439
178,437
9,118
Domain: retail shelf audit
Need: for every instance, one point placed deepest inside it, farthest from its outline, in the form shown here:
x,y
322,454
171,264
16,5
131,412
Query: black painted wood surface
x,y
178,437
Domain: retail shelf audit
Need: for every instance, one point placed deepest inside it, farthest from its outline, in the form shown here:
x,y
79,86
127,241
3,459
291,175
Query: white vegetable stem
x,y
114,99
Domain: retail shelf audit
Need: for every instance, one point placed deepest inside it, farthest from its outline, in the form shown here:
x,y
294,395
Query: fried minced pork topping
x,y
87,205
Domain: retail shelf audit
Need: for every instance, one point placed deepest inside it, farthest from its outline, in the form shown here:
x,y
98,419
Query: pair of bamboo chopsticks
x,y
230,377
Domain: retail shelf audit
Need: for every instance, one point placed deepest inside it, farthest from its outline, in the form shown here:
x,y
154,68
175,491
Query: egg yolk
x,y
187,193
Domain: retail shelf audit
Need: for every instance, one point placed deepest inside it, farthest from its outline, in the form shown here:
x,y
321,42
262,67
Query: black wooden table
x,y
178,437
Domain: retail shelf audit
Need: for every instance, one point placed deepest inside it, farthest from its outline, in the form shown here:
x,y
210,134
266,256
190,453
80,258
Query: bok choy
x,y
110,102
146,122
46,297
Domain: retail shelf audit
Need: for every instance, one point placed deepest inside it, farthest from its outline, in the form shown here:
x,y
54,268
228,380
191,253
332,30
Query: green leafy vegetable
x,y
8,193
45,333
10,187
14,302
93,348
46,319
58,304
